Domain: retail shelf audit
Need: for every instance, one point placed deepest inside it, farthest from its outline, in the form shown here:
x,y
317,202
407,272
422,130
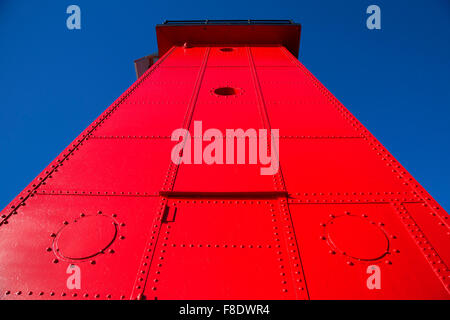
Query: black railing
x,y
250,21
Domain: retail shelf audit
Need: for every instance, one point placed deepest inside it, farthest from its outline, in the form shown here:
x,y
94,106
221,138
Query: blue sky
x,y
55,82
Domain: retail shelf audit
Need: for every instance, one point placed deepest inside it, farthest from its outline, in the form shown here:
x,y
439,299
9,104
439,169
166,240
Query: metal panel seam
x,y
173,168
434,260
278,177
282,202
148,254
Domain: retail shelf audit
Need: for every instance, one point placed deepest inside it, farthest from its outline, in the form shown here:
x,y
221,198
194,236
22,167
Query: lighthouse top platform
x,y
228,32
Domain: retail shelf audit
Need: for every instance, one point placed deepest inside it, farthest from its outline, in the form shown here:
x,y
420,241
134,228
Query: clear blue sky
x,y
55,82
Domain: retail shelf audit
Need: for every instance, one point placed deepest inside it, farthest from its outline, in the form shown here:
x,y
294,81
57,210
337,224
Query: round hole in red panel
x,y
226,49
226,91
357,237
86,237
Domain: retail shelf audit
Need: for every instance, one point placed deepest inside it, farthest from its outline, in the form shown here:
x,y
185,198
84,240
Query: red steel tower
x,y
113,217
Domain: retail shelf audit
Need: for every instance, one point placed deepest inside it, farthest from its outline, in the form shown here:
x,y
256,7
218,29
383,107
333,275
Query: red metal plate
x,y
221,249
308,120
337,166
270,56
405,272
142,112
218,273
86,237
234,77
289,85
28,265
434,226
231,116
113,166
287,91
366,242
228,56
154,89
149,110
223,221
227,178
143,119
233,111
225,112
185,57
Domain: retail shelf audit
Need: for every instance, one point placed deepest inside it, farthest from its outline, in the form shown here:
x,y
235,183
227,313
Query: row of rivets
x,y
352,260
292,249
436,263
54,235
62,294
98,193
141,277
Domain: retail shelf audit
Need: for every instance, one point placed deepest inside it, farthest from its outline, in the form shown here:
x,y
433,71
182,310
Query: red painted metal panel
x,y
239,78
224,112
336,271
31,268
144,119
230,178
142,112
104,165
308,119
270,57
435,229
240,255
185,57
178,80
224,230
287,91
336,165
228,57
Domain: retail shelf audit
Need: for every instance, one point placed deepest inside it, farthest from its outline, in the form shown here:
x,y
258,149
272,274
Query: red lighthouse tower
x,y
114,217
